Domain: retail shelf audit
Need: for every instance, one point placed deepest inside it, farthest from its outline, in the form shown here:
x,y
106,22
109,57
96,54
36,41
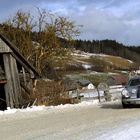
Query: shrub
x,y
50,93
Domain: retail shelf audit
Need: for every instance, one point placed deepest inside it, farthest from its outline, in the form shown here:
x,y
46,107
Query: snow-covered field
x,y
84,121
86,54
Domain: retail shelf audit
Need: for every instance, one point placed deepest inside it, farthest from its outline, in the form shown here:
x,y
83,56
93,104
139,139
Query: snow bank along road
x,y
106,121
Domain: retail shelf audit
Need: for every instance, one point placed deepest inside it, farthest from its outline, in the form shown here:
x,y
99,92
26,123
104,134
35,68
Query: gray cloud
x,y
101,19
100,25
119,20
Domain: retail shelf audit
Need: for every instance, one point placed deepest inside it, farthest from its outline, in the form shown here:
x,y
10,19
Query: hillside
x,y
93,67
83,61
110,47
106,62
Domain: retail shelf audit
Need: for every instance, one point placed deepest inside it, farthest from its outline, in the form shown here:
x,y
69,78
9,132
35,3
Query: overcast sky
x,y
101,19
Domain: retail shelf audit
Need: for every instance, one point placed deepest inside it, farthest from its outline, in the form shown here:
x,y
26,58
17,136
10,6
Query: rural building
x,y
117,80
85,84
16,76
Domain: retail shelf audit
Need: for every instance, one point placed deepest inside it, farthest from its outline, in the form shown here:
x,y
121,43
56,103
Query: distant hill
x,y
83,61
100,62
94,67
110,47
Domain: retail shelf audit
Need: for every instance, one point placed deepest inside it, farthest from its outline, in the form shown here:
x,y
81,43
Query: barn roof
x,y
120,79
83,83
18,56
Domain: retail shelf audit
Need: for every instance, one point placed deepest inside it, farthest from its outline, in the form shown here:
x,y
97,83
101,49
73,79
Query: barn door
x,y
3,104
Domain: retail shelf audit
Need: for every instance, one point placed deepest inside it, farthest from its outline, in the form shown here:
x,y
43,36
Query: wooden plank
x,y
8,86
3,47
26,89
24,76
24,65
15,82
14,51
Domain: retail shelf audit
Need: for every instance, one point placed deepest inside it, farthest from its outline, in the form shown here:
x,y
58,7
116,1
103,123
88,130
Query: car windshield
x,y
135,82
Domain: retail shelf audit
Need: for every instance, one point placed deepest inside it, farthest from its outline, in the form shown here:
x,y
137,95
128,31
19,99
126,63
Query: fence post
x,y
99,98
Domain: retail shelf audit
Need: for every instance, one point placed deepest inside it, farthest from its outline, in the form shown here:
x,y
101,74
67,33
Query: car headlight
x,y
134,91
125,93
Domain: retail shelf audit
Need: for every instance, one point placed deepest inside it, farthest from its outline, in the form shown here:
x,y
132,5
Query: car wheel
x,y
124,105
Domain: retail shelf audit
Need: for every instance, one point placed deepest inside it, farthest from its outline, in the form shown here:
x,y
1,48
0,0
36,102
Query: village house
x,y
17,76
85,84
117,80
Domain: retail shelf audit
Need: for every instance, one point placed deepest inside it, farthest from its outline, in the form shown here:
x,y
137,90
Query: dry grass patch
x,y
118,61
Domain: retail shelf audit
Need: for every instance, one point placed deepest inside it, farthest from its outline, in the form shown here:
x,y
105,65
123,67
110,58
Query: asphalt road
x,y
83,123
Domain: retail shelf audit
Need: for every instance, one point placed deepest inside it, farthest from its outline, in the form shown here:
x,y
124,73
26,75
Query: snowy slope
x,y
83,58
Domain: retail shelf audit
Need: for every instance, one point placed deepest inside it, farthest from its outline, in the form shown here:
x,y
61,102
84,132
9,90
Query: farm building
x,y
16,76
117,80
85,84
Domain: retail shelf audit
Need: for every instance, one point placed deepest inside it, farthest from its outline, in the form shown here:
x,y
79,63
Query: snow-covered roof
x,y
84,82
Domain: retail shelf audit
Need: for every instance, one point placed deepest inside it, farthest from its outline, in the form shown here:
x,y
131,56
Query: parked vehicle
x,y
131,92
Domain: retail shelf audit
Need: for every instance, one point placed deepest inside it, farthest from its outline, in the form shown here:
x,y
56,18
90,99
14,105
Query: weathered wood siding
x,y
3,47
12,87
10,58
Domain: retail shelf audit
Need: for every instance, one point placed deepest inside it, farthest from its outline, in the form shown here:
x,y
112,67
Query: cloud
x,y
101,19
116,21
100,25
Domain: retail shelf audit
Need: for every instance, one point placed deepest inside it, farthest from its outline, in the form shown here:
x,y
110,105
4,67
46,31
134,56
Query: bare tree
x,y
49,28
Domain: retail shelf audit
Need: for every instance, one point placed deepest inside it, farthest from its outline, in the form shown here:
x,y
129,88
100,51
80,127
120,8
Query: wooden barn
x,y
17,76
117,80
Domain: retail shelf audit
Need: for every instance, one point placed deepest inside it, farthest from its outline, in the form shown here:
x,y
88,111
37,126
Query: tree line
x,y
110,47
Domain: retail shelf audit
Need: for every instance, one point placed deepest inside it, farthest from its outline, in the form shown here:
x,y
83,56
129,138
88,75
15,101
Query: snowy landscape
x,y
84,121
88,120
92,117
70,70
